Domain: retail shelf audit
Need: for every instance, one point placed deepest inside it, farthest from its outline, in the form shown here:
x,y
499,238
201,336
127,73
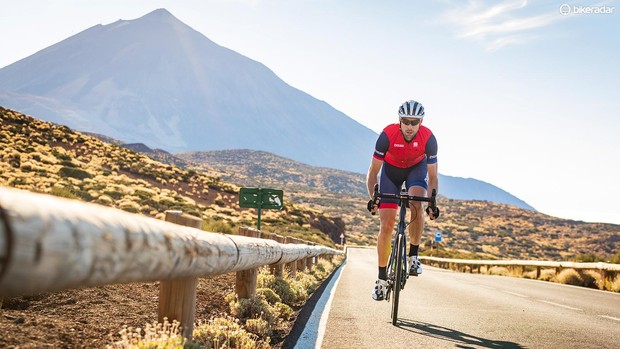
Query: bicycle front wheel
x,y
398,277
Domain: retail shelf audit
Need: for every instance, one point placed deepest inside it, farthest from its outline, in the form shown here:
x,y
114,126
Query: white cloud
x,y
497,25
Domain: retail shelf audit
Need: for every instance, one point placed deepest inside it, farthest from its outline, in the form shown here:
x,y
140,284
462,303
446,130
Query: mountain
x,y
157,81
473,189
259,168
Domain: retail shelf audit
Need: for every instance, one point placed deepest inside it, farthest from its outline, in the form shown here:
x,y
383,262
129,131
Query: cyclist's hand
x,y
432,212
372,206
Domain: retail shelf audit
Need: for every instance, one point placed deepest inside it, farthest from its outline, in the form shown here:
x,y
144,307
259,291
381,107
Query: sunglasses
x,y
412,122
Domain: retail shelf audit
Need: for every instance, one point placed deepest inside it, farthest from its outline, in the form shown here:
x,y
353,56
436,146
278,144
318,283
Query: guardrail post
x,y
292,265
177,298
278,268
301,264
310,261
245,284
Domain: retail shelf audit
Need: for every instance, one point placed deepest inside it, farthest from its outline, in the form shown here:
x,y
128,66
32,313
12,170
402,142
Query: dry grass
x,y
251,322
568,277
614,285
502,271
592,279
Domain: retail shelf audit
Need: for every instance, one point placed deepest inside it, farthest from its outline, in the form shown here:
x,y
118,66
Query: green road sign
x,y
261,198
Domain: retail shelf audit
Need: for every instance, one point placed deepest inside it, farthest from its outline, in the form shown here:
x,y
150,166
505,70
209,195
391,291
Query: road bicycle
x,y
397,272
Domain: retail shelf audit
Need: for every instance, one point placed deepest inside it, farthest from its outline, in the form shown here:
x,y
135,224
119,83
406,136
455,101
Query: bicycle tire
x,y
398,281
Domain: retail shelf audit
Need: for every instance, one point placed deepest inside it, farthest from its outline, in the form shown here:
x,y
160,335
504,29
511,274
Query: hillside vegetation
x,y
48,158
320,203
471,229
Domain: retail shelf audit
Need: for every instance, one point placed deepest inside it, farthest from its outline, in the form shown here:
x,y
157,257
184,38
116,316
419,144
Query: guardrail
x,y
607,270
50,244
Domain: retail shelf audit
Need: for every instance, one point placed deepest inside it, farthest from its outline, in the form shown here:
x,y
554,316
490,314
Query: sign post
x,y
261,198
438,236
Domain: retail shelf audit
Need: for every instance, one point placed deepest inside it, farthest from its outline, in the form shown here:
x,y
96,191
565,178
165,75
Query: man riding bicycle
x,y
404,153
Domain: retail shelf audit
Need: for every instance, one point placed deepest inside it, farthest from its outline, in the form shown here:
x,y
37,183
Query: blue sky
x,y
518,94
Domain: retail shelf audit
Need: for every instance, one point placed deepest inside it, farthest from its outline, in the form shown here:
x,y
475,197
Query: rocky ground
x,y
92,318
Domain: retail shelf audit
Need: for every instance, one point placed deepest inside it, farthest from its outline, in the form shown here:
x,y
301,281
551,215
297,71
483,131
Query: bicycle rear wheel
x,y
398,276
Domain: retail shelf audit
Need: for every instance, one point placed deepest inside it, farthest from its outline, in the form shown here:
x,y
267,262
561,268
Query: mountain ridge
x,y
50,158
157,81
245,164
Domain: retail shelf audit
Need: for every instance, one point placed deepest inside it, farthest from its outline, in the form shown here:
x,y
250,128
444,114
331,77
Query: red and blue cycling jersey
x,y
392,147
404,162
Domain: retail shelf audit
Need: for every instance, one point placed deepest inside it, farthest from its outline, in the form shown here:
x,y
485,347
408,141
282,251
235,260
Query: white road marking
x,y
313,333
488,287
516,294
610,317
560,305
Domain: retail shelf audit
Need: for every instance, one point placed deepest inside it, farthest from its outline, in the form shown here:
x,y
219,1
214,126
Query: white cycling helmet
x,y
411,109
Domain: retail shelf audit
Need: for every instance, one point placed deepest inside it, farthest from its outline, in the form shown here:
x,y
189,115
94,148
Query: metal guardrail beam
x,y
49,243
528,263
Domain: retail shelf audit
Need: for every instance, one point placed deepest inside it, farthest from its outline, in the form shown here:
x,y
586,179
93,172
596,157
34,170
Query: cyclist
x,y
405,152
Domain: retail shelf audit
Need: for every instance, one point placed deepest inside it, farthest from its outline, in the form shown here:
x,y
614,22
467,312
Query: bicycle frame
x,y
397,263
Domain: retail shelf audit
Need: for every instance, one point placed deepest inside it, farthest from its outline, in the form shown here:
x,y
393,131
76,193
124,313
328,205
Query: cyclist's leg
x,y
384,240
388,184
416,226
387,216
417,185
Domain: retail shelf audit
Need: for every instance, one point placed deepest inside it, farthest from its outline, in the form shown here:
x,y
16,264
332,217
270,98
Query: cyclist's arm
x,y
381,147
433,180
373,172
431,153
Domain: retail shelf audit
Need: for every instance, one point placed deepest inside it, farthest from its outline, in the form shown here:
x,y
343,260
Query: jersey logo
x,y
399,145
415,144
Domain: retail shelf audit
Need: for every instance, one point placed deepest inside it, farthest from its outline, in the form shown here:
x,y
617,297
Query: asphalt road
x,y
445,309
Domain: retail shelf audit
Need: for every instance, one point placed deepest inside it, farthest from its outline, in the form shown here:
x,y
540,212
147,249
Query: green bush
x,y
308,283
284,310
270,296
218,227
290,293
63,192
252,308
74,173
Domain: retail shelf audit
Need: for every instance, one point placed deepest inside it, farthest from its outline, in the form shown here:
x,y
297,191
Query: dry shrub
x,y
155,335
568,277
259,327
252,308
592,279
614,286
270,296
546,274
529,274
290,292
226,332
502,271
